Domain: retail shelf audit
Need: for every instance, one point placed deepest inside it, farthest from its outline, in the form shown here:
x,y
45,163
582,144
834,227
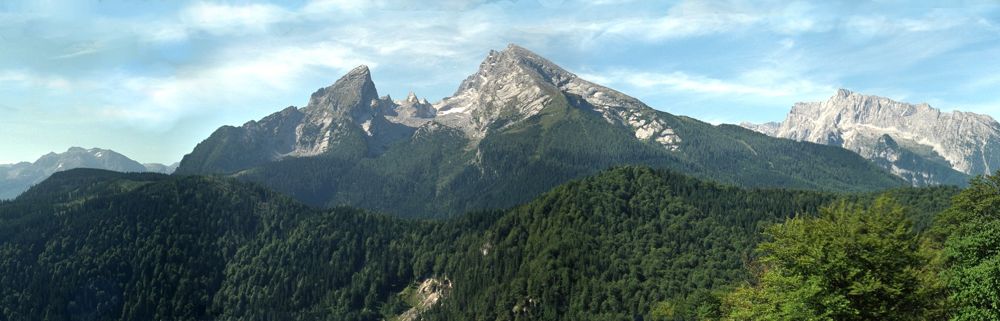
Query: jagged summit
x,y
355,89
411,111
965,142
858,103
515,60
514,84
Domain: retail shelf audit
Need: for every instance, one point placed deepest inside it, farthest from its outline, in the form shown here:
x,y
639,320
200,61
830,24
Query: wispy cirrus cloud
x,y
217,19
759,83
700,18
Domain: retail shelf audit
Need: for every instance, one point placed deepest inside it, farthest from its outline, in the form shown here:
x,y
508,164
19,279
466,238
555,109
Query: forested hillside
x,y
97,245
616,245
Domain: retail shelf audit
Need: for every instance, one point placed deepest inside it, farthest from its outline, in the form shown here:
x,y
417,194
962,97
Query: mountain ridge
x,y
517,126
16,178
968,143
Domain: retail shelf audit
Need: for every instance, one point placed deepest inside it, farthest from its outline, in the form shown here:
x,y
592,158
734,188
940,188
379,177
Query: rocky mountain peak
x,y
517,63
412,111
969,143
769,128
17,178
351,101
516,83
76,151
352,93
510,85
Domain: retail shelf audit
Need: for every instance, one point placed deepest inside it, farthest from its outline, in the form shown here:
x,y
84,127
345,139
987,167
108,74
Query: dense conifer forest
x,y
631,243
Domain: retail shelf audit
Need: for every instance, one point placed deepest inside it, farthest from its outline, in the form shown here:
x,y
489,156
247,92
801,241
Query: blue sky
x,y
151,79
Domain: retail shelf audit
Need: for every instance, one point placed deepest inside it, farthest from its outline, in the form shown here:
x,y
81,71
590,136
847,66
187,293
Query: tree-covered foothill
x,y
631,243
612,246
96,245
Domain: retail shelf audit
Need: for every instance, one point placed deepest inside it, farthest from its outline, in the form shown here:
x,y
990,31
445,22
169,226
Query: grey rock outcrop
x,y
161,168
965,142
515,84
347,117
769,128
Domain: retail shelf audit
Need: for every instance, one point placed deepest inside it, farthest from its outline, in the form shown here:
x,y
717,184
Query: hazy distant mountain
x,y
769,128
16,178
160,168
917,142
517,127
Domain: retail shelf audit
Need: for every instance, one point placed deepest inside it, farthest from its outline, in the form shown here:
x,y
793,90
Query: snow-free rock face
x,y
514,84
352,99
161,168
16,178
425,296
769,128
347,117
966,142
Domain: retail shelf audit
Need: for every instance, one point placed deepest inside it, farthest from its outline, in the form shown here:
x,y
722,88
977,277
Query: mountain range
x,y
17,178
918,143
517,127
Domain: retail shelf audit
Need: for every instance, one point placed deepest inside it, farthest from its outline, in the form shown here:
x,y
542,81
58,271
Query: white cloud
x,y
81,49
689,18
338,6
765,83
223,18
214,18
889,25
697,18
679,81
